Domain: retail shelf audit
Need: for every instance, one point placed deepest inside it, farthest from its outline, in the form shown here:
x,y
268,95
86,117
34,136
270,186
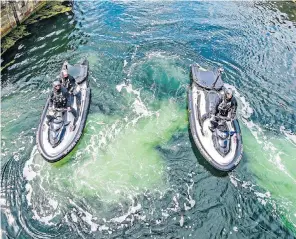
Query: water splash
x,y
114,161
272,161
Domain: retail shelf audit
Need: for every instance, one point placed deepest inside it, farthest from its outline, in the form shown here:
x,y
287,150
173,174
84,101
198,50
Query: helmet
x,y
65,73
56,83
229,92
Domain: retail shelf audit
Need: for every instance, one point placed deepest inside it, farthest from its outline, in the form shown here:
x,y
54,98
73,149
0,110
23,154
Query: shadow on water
x,y
202,161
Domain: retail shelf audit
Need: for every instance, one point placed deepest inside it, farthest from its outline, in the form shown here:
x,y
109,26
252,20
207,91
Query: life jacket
x,y
225,106
59,99
68,82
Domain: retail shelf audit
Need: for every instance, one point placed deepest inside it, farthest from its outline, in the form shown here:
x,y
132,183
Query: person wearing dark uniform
x,y
224,110
68,81
59,99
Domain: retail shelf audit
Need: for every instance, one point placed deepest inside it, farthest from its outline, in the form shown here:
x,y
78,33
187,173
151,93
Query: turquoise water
x,y
135,172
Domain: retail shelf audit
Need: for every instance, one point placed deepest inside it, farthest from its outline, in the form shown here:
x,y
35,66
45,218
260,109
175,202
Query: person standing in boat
x,y
59,99
225,110
68,81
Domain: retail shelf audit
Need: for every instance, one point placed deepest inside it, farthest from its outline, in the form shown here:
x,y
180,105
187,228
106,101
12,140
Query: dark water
x,y
135,172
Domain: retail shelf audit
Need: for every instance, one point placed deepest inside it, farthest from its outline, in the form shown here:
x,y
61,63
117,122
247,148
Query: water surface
x,y
135,172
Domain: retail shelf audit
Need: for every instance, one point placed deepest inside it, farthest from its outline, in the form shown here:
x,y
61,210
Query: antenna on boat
x,y
220,71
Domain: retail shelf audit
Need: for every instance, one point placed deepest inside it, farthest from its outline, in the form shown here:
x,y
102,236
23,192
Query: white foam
x,y
233,180
160,55
289,135
87,217
46,220
29,190
181,221
138,106
165,214
258,133
103,228
158,221
176,207
132,210
10,218
119,219
74,218
263,195
128,88
28,172
120,87
189,199
124,63
263,198
53,203
16,156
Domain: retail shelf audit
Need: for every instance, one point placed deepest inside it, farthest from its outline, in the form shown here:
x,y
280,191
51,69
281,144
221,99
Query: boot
x,y
211,128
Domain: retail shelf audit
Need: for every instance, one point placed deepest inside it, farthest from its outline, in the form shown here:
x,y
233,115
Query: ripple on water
x,y
136,172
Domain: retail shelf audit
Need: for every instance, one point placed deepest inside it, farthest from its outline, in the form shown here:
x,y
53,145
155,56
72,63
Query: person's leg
x,y
78,98
74,112
78,101
48,119
71,98
214,123
50,116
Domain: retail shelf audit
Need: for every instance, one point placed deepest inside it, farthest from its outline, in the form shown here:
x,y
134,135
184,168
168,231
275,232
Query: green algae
x,y
48,10
15,35
7,65
273,163
51,9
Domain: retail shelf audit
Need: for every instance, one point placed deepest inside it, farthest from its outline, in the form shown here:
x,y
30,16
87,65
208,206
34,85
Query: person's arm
x,y
51,99
215,109
72,83
72,79
68,103
232,113
212,112
67,98
233,109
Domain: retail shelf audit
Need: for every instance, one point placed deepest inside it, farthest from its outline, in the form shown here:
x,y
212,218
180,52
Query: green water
x,y
136,172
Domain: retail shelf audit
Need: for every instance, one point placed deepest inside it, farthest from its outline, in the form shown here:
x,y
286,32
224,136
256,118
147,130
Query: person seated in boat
x,y
225,110
68,81
59,99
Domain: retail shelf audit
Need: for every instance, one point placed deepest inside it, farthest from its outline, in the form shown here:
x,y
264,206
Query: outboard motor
x,y
56,129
